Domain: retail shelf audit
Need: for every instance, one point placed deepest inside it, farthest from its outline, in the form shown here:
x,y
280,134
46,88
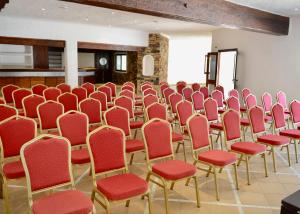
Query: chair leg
x,y
247,169
236,176
147,179
172,185
149,204
212,144
265,164
197,192
93,195
1,186
288,153
166,197
177,148
209,171
216,183
131,159
5,196
184,153
244,133
127,203
135,133
274,160
296,150
221,140
240,160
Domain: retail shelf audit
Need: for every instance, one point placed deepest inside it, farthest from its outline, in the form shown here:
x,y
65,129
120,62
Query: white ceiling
x,y
71,12
281,7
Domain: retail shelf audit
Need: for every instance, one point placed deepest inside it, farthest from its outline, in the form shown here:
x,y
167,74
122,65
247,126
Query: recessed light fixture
x,y
43,9
296,9
86,19
113,13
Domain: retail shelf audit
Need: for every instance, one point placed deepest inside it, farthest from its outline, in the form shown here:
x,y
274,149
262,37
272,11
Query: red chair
x,y
127,87
30,104
89,87
69,101
131,95
246,150
167,92
2,101
52,93
157,135
149,99
130,84
184,111
7,93
250,101
107,91
14,132
101,97
92,108
81,93
281,99
174,99
74,126
187,94
38,89
196,87
145,87
106,147
48,112
180,86
259,133
245,93
7,111
205,92
198,101
163,83
46,160
113,88
202,152
18,96
219,97
63,87
234,93
119,117
295,113
162,88
149,91
221,89
281,127
266,100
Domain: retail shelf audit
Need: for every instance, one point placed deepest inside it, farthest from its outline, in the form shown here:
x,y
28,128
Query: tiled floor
x,y
263,196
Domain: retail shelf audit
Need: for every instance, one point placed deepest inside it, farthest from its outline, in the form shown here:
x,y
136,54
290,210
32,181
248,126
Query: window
x,y
121,62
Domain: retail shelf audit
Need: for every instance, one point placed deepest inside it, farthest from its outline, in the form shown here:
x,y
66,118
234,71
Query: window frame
x,y
115,64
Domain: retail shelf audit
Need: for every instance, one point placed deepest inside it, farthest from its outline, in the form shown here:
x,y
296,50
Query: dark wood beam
x,y
3,3
217,12
104,46
32,41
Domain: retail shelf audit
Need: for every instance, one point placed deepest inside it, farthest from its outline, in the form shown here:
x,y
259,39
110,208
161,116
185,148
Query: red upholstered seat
x,y
13,170
80,156
243,109
294,133
123,186
275,140
177,137
217,125
268,118
70,201
174,169
248,148
245,122
134,145
221,111
136,124
138,97
138,113
109,105
138,103
217,157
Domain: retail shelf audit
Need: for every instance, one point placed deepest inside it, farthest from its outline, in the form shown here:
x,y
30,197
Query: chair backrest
x,y
118,117
106,146
145,87
211,109
198,100
52,93
156,110
127,87
180,86
198,129
256,118
158,139
234,93
89,87
218,96
92,108
7,92
80,92
48,112
196,87
233,103
281,99
2,101
149,99
69,101
167,92
127,93
113,88
162,88
74,126
101,97
187,93
184,111
38,89
127,103
266,100
245,93
47,163
7,111
163,83
149,91
18,96
30,104
232,125
63,87
250,101
14,133
107,91
174,99
130,84
204,91
221,89
295,111
278,116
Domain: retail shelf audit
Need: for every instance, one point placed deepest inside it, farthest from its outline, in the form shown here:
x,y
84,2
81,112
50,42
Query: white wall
x,y
265,62
187,56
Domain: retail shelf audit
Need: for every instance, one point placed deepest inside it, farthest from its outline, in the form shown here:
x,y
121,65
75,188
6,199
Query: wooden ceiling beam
x,y
217,13
104,46
3,3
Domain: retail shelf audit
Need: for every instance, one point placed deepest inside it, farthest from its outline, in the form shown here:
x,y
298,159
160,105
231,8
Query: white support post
x,y
71,63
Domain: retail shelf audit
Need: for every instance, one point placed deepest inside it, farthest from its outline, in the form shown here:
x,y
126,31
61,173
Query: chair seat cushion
x,y
176,137
138,113
268,118
13,170
93,127
134,145
174,169
217,157
136,124
245,122
293,133
243,109
217,126
248,148
110,105
275,140
69,201
123,186
221,111
138,97
80,156
138,103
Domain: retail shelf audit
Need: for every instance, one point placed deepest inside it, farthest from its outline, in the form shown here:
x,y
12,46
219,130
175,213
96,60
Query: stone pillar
x,y
71,63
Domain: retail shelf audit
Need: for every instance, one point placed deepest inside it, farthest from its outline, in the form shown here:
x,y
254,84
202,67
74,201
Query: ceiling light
x,y
112,13
43,9
296,9
86,19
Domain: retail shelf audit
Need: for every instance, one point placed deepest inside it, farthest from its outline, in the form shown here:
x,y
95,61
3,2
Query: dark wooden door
x,y
211,69
103,64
